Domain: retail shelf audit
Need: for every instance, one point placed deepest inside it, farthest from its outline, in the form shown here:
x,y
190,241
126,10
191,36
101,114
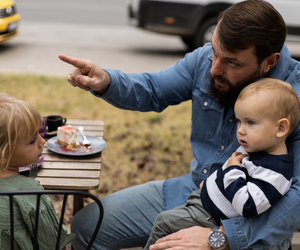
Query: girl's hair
x,y
282,100
18,119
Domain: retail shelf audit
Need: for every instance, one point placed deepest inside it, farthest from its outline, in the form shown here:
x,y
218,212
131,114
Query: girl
x,y
22,145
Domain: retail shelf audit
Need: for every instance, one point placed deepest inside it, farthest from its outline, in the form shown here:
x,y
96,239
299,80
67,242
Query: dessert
x,y
67,136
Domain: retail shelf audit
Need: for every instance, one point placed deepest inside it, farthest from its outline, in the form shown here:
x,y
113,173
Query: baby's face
x,y
256,129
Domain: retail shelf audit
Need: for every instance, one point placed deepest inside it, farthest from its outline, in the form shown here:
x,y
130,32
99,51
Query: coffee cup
x,y
55,121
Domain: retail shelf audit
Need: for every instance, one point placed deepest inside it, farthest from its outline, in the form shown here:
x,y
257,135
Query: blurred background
x,y
98,30
92,29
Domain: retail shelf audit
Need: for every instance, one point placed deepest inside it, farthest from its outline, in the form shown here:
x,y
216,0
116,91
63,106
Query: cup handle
x,y
64,121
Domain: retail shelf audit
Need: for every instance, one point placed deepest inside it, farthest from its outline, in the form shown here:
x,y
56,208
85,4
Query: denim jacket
x,y
213,139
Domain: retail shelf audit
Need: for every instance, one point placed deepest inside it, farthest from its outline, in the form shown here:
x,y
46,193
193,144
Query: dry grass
x,y
140,146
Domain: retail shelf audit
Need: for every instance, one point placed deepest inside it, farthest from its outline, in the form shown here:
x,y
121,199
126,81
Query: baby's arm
x,y
235,159
252,195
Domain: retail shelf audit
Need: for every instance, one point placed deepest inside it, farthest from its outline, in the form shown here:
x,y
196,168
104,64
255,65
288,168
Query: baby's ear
x,y
283,127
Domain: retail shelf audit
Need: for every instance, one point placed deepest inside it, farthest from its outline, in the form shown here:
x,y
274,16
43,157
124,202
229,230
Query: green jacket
x,y
24,217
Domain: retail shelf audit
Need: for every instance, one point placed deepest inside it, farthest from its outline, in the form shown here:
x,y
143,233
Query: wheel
x,y
206,32
189,41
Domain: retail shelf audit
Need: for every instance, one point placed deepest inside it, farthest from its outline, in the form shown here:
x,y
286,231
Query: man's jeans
x,y
129,215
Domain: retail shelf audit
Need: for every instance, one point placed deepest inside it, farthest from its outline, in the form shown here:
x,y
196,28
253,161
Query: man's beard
x,y
227,98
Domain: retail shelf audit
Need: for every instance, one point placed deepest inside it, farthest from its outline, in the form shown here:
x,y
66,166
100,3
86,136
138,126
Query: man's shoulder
x,y
287,69
205,51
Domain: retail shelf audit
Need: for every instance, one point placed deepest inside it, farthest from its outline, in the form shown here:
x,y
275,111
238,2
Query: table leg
x,y
77,205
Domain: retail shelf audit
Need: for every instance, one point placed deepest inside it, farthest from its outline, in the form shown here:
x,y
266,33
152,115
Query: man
x,y
248,44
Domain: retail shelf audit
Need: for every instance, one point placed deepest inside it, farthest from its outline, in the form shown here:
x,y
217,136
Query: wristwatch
x,y
216,239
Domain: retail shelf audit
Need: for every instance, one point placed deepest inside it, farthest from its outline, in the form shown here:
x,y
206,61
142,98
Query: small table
x,y
73,173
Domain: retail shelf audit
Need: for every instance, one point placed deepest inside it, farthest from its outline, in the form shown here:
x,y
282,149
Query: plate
x,y
26,168
97,145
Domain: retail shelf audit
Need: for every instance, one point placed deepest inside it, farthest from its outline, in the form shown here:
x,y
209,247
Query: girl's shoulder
x,y
19,182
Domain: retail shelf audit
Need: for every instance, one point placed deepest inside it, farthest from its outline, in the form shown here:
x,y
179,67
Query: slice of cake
x,y
67,136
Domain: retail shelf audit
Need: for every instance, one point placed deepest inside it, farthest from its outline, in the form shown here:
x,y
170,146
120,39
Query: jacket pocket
x,y
206,115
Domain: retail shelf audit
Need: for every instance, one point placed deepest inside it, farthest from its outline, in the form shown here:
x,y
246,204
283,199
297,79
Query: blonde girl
x,y
22,145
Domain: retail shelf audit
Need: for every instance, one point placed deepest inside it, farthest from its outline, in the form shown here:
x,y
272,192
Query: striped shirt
x,y
248,190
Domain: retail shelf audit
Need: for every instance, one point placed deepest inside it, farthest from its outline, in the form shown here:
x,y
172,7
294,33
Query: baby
x,y
256,176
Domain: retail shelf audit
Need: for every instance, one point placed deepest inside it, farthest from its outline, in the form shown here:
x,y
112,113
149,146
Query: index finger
x,y
78,63
245,155
161,245
241,156
236,153
170,237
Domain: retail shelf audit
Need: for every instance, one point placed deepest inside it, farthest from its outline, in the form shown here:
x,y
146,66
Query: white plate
x,y
97,145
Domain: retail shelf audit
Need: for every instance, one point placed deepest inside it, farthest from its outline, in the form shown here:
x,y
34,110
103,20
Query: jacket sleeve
x,y
238,191
156,90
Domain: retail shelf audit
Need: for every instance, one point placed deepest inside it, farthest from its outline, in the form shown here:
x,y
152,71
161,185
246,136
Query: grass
x,y
140,146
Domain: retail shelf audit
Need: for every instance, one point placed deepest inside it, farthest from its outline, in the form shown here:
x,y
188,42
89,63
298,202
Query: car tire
x,y
189,41
206,31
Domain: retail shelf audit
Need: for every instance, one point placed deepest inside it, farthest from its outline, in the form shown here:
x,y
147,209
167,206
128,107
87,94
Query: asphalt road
x,y
88,12
37,46
90,29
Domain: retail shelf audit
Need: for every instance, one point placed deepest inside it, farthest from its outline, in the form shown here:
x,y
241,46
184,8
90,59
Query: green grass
x,y
140,146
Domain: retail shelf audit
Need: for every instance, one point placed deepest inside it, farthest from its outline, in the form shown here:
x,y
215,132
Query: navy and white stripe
x,y
249,190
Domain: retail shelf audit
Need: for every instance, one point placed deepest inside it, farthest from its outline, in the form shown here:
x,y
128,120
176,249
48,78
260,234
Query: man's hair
x,y
18,119
282,100
252,23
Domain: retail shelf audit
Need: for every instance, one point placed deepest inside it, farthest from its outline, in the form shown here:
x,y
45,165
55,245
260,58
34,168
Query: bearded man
x,y
248,44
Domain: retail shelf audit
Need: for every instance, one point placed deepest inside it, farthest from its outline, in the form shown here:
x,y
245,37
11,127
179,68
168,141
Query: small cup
x,y
55,121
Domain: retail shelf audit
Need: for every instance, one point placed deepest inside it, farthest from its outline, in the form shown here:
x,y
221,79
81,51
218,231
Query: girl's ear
x,y
283,127
3,162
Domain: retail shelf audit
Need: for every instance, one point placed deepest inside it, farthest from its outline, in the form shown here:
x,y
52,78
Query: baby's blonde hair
x,y
18,119
282,100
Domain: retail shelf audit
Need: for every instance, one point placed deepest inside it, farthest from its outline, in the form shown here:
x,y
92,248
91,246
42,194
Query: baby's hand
x,y
236,159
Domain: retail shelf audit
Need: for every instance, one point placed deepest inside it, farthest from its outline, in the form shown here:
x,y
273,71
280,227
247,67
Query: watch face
x,y
216,239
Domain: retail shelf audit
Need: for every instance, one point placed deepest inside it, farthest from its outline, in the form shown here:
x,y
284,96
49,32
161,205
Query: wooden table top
x,y
67,172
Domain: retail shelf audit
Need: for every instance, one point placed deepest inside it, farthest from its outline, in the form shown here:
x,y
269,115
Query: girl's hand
x,y
236,159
